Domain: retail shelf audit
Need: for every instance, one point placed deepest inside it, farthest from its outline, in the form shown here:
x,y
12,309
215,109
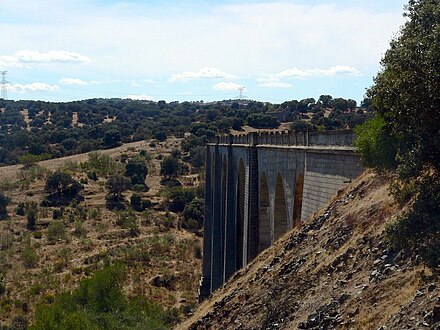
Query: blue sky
x,y
194,50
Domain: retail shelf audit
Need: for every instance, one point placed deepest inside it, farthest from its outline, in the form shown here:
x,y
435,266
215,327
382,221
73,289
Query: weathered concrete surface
x,y
259,186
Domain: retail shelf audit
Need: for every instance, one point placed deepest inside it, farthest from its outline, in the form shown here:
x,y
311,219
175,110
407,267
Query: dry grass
x,y
54,257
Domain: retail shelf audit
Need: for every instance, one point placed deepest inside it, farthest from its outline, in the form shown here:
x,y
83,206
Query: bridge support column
x,y
218,226
253,221
231,221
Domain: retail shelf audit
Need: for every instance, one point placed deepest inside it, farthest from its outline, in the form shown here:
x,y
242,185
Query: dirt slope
x,y
333,273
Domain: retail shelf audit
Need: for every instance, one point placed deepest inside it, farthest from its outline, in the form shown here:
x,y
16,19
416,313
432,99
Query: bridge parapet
x,y
289,138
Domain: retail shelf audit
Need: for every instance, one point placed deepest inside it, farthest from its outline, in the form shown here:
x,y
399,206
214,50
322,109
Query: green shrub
x,y
99,303
30,257
193,214
419,228
127,220
56,231
31,208
100,165
377,148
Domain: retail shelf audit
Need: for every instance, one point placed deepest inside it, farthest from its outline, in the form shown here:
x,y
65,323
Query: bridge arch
x,y
280,209
240,214
264,237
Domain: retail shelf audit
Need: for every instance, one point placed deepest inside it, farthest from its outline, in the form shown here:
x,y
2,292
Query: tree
x,y
62,184
112,138
61,189
301,126
117,184
170,167
326,100
259,120
406,92
160,136
4,202
136,170
406,95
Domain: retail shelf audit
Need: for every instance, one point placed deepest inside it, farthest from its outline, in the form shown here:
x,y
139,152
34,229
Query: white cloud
x,y
273,82
304,73
227,86
73,81
26,57
205,73
140,97
276,84
32,56
33,87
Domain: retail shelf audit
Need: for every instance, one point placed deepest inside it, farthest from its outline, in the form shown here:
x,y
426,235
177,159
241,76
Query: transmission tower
x,y
4,82
240,91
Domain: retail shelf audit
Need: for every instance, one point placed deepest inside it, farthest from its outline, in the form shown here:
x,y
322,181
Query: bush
x,y
179,197
193,214
100,303
4,202
127,220
57,214
56,231
30,257
377,148
100,165
419,228
31,214
62,189
20,210
136,203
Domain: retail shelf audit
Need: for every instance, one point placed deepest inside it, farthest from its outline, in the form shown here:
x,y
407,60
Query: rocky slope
x,y
333,273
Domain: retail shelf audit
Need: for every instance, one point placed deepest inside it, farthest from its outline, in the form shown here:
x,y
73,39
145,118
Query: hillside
x,y
162,259
334,273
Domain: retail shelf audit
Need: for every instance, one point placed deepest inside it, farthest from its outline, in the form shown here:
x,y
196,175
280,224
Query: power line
x,y
4,82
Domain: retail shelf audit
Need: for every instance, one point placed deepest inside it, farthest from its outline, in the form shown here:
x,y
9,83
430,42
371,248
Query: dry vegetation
x,y
163,259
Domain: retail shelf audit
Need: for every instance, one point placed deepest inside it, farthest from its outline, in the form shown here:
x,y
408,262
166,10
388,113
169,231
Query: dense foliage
x,y
406,99
50,131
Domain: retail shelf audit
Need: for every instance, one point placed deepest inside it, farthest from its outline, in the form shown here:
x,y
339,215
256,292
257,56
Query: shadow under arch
x,y
264,240
280,210
240,214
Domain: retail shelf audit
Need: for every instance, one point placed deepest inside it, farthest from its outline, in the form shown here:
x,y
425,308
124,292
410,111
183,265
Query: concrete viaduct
x,y
261,185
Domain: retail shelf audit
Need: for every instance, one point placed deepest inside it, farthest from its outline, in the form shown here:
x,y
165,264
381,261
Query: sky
x,y
274,51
